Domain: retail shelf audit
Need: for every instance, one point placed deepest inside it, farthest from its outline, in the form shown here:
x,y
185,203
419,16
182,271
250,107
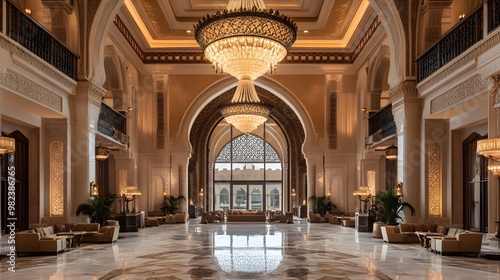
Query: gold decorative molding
x,y
36,62
198,57
27,88
459,93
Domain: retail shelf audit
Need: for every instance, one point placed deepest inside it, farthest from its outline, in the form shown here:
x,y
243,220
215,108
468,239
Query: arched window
x,y
246,167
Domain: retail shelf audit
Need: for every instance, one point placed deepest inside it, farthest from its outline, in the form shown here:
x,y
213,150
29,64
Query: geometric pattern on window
x,y
248,148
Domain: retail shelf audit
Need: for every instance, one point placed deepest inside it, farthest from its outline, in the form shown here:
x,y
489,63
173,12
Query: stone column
x,y
315,180
494,132
179,177
407,110
84,112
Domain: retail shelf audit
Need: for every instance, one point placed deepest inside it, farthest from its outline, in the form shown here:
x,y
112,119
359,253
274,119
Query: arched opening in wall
x,y
258,171
248,169
475,186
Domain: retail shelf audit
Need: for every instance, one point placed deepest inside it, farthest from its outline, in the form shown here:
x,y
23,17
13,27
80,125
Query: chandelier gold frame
x,y
246,40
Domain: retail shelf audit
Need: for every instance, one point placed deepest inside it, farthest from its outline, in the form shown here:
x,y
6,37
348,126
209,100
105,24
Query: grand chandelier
x,y
246,41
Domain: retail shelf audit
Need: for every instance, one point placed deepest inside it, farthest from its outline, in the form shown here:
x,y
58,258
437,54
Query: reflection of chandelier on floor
x,y
245,41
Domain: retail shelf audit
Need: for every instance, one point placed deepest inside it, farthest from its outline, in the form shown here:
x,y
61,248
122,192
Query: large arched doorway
x,y
278,167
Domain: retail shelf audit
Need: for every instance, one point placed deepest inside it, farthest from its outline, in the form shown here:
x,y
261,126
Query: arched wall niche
x,y
378,79
114,83
204,128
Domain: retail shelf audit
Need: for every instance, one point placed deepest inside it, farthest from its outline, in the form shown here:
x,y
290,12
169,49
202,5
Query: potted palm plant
x,y
322,204
388,207
98,208
171,204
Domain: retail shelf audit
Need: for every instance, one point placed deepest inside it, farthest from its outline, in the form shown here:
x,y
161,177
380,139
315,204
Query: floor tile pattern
x,y
251,251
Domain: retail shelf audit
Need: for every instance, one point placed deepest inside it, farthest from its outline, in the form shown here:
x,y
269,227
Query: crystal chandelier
x,y
489,148
246,41
7,145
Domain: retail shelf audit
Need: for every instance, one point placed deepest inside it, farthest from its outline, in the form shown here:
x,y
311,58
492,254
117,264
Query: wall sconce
x,y
94,189
101,153
293,192
399,189
27,11
391,152
462,16
7,145
201,192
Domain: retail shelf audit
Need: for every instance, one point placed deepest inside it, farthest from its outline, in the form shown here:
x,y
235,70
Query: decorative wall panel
x,y
434,192
371,181
56,178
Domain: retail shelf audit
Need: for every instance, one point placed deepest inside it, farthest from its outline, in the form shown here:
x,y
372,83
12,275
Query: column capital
x,y
87,88
403,90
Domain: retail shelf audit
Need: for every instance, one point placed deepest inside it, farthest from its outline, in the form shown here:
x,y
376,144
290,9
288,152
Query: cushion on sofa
x,y
442,229
406,227
59,228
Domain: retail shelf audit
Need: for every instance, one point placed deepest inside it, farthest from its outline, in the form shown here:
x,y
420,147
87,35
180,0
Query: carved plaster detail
x,y
31,90
450,69
402,90
36,62
456,95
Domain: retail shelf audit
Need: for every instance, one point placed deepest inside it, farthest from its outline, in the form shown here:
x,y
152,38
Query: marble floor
x,y
251,251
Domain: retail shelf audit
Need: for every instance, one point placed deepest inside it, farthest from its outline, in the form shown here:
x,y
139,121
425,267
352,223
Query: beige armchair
x,y
181,217
463,243
392,234
106,234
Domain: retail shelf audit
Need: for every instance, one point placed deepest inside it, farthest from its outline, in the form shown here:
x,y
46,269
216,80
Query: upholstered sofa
x,y
107,234
209,217
33,242
181,217
284,218
462,243
236,216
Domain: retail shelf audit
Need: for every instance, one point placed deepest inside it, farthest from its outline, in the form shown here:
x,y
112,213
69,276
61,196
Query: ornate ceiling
x,y
167,25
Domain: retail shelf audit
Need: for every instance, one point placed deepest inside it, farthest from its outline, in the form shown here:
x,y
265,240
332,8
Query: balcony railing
x,y
493,14
455,42
112,124
381,124
31,35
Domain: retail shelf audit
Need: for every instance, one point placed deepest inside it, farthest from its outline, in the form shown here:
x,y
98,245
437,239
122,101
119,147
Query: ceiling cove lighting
x,y
246,40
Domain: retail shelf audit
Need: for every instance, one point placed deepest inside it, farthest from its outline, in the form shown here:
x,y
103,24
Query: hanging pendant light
x,y
7,145
246,41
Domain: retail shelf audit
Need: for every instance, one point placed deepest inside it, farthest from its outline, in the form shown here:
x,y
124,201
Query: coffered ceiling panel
x,y
168,24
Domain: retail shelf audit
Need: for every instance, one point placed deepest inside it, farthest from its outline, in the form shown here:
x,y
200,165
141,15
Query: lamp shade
x,y
391,152
101,153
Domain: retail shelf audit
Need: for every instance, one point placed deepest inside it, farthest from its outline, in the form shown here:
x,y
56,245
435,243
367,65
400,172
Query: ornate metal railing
x,y
455,42
381,124
112,123
31,35
493,14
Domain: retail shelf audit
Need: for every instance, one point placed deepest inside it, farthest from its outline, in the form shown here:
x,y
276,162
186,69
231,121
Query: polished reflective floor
x,y
251,251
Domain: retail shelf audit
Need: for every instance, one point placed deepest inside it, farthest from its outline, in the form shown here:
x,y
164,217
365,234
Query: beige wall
x,y
182,91
310,90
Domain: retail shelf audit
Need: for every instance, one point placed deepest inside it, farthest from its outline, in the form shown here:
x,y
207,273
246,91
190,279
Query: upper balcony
x,y
458,40
112,126
27,32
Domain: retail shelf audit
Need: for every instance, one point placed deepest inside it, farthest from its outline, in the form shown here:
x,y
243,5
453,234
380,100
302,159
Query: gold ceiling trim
x,y
291,58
